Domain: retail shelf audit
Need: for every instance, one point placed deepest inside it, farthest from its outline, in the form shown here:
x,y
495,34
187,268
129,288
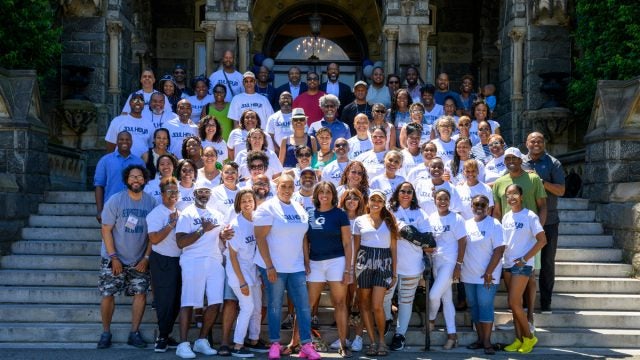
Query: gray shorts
x,y
131,281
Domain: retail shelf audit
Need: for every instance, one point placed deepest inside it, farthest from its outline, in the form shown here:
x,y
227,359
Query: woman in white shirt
x,y
388,181
448,257
238,137
210,133
373,160
223,196
472,187
524,237
280,225
187,175
257,139
454,173
375,238
445,144
481,269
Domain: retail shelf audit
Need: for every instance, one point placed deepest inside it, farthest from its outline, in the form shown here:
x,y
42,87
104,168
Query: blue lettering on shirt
x,y
514,225
441,228
138,130
292,218
249,239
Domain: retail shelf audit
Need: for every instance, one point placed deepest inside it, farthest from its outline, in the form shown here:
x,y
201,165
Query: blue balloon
x,y
366,62
258,59
268,63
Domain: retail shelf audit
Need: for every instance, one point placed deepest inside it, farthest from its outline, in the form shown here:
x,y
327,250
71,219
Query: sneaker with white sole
x,y
202,346
307,351
508,326
532,328
356,344
184,351
241,353
336,344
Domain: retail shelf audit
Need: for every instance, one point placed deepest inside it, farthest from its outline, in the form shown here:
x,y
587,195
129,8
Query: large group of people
x,y
225,205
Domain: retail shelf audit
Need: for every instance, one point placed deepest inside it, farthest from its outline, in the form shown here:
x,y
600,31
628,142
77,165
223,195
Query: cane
x,y
426,274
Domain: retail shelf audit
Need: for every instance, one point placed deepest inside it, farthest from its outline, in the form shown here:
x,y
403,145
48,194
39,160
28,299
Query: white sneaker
x,y
336,344
356,344
508,326
532,328
184,351
202,346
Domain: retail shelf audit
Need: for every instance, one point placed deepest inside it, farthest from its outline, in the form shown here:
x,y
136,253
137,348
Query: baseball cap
x,y
248,74
513,152
201,184
378,193
358,84
308,169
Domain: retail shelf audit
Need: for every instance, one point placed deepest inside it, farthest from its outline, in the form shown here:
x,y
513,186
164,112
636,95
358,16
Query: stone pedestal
x,y
612,163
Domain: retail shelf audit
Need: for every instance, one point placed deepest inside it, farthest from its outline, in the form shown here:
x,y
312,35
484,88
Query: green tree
x,y
607,35
30,40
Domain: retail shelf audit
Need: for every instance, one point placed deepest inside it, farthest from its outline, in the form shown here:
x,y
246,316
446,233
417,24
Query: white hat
x,y
201,184
379,193
298,113
248,74
513,152
358,84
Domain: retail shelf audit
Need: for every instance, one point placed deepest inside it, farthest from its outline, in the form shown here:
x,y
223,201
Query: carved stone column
x,y
517,39
391,35
210,29
114,28
424,31
243,29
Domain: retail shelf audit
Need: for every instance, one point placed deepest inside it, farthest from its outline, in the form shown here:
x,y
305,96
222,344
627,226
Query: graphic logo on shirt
x,y
180,134
251,106
228,201
441,228
356,153
136,129
513,225
141,213
230,82
336,175
198,221
477,234
293,218
283,123
320,221
249,239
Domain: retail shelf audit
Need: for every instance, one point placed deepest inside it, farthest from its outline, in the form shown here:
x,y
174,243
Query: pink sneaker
x,y
274,351
309,352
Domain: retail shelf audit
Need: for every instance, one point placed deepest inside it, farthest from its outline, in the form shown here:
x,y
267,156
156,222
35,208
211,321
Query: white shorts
x,y
326,270
200,275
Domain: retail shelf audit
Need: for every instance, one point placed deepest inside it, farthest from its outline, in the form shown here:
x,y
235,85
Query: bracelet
x,y
459,263
200,231
112,255
270,268
171,226
243,285
146,257
522,260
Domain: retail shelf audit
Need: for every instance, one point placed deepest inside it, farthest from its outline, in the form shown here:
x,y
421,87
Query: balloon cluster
x,y
261,59
368,66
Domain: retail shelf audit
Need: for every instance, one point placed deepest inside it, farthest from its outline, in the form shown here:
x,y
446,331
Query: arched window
x,y
310,48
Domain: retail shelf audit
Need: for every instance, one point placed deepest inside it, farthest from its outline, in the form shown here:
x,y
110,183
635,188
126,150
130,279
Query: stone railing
x,y
573,164
67,168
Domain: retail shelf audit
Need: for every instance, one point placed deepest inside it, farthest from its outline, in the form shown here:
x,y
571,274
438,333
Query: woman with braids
x,y
161,145
454,168
192,150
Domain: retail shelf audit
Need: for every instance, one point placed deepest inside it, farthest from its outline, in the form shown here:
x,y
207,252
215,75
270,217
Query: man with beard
x,y
125,253
262,188
294,85
200,235
141,129
158,116
108,177
412,79
337,88
279,124
180,76
329,105
360,105
250,100
432,111
308,180
443,92
227,76
310,99
181,127
264,88
333,171
378,92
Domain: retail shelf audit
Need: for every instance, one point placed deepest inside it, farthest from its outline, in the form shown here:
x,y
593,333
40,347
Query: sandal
x,y
372,350
224,350
475,345
345,352
382,350
489,350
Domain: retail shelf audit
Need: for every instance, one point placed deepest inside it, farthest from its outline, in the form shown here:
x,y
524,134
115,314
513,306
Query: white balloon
x,y
268,63
378,64
367,71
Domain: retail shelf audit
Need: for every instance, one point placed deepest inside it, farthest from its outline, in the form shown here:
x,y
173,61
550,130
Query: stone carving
x,y
549,12
407,7
81,8
77,115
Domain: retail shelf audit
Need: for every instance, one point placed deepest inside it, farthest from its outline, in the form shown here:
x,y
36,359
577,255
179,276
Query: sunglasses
x,y
341,145
406,192
312,79
354,172
480,205
171,192
261,184
304,155
256,167
464,125
379,111
496,143
298,120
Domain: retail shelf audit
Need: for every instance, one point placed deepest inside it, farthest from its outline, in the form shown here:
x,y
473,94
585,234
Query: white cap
x,y
248,74
201,184
358,84
298,113
379,193
513,152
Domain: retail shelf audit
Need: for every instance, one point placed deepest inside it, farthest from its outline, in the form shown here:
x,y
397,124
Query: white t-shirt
x,y
305,201
431,116
244,244
474,138
235,83
279,125
420,171
186,197
474,127
358,147
238,140
446,150
411,254
147,100
494,169
275,166
460,178
447,230
158,121
386,185
209,183
153,188
424,192
333,172
370,236
197,106
519,231
178,132
157,219
208,245
141,131
222,199
220,147
373,162
289,223
255,102
466,193
482,238
409,162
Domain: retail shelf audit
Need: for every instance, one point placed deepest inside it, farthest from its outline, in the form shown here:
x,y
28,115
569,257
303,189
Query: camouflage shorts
x,y
131,281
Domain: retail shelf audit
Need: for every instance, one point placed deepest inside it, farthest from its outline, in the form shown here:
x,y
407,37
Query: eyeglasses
x,y
171,192
341,145
203,191
261,184
312,79
379,111
467,125
136,177
137,100
429,150
496,143
417,112
354,172
298,120
480,205
256,167
484,129
406,192
304,155
332,106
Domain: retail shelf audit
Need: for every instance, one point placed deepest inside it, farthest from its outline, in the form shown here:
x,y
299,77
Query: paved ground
x,y
123,352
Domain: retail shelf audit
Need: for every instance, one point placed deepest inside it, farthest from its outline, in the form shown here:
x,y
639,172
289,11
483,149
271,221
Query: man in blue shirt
x,y
108,177
329,104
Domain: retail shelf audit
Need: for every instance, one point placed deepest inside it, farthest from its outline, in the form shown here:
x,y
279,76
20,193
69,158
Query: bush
x,y
607,35
30,40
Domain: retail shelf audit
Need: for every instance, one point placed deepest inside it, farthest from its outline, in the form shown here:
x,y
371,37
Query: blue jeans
x,y
296,286
480,300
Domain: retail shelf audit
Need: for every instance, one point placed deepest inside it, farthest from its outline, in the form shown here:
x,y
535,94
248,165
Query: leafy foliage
x,y
30,40
607,35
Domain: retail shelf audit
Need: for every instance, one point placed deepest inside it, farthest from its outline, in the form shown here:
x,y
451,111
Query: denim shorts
x,y
525,270
480,300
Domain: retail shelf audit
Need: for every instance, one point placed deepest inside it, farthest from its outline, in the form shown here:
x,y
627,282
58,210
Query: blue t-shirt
x,y
109,172
324,235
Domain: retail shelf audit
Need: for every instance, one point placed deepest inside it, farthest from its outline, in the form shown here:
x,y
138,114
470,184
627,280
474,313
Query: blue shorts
x,y
525,270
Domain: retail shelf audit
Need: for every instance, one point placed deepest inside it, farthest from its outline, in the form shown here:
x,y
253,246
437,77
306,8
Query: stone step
x,y
573,204
585,241
588,255
52,221
66,209
43,247
597,285
73,197
580,228
602,270
50,233
89,333
49,277
577,215
39,262
56,295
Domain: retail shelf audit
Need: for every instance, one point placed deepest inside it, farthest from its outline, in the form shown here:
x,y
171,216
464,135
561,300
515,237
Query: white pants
x,y
441,290
407,286
250,314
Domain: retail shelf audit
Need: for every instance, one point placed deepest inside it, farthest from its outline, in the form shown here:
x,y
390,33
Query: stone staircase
x,y
48,294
